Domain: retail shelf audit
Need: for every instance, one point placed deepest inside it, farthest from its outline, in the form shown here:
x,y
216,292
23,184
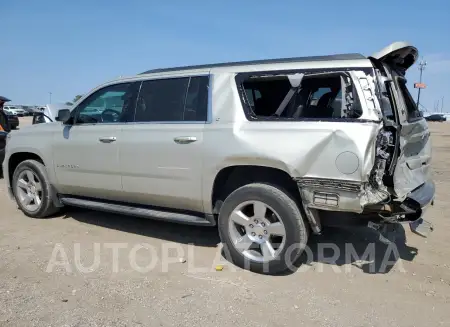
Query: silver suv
x,y
263,149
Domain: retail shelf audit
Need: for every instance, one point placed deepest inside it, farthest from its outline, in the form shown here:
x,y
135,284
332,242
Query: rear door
x,y
161,152
413,163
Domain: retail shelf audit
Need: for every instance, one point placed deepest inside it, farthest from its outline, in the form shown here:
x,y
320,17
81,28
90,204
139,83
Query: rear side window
x,y
170,100
314,99
318,96
411,107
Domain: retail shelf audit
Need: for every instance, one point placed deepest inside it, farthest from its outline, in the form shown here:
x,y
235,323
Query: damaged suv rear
x,y
350,135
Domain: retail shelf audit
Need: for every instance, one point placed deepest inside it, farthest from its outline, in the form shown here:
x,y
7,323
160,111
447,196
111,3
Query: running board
x,y
182,218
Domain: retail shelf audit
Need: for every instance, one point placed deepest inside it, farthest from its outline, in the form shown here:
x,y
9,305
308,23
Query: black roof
x,y
349,56
4,99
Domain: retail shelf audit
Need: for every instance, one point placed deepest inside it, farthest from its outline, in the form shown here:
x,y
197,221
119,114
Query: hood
x,y
51,110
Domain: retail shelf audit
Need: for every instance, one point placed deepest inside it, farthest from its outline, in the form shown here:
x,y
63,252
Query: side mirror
x,y
63,115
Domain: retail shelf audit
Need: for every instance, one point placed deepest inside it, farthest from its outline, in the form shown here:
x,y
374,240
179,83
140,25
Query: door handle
x,y
107,139
185,139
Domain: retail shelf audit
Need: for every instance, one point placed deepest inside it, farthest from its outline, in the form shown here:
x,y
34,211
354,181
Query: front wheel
x,y
32,189
262,228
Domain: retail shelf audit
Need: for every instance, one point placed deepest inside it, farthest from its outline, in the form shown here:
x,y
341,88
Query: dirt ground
x,y
414,290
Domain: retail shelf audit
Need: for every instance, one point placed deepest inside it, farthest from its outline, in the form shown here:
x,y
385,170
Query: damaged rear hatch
x,y
410,168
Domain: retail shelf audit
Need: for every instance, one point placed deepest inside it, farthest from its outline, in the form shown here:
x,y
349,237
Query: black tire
x,y
47,207
291,216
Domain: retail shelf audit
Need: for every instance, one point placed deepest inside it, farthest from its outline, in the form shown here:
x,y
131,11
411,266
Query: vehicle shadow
x,y
352,247
185,234
356,247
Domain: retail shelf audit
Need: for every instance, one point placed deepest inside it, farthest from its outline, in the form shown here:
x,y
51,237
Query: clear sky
x,y
69,47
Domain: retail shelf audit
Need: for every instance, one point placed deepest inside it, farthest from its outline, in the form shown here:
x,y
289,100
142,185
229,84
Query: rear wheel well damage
x,y
231,178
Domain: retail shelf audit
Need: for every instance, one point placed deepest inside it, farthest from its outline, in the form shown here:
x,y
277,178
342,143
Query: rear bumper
x,y
422,197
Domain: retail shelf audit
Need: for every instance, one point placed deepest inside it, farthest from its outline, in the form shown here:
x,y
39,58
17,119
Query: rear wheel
x,y
262,228
32,191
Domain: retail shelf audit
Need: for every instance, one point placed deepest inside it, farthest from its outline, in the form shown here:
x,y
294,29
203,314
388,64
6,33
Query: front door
x,y
86,150
161,153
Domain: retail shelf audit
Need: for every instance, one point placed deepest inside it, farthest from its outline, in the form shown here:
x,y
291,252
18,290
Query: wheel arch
x,y
231,177
17,157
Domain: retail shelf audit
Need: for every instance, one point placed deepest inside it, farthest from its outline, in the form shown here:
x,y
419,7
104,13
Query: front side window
x,y
111,104
171,100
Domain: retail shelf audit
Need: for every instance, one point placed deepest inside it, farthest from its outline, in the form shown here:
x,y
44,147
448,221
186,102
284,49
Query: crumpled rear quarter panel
x,y
334,150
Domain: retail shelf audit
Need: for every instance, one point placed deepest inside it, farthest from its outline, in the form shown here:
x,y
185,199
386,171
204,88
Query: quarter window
x,y
176,99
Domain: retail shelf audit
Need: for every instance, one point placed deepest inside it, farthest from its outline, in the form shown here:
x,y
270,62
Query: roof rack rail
x,y
349,56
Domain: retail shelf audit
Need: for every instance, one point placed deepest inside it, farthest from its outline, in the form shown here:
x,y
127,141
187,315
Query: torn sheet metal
x,y
333,157
414,163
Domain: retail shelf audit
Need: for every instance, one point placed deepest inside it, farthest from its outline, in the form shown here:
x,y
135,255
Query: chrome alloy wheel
x,y
257,231
29,190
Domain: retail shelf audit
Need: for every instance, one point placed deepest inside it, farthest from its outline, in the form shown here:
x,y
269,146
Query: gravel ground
x,y
45,278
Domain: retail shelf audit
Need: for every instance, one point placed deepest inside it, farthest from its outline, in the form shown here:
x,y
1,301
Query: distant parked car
x,y
29,111
436,117
15,110
13,120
